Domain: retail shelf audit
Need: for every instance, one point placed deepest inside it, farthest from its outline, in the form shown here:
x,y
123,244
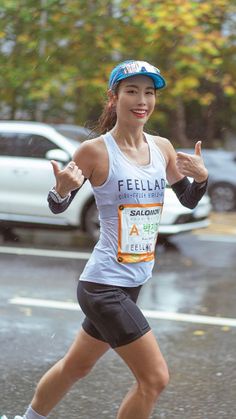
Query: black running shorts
x,y
111,313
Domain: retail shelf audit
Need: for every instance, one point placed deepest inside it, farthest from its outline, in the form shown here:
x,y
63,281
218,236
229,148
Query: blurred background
x,y
55,60
56,56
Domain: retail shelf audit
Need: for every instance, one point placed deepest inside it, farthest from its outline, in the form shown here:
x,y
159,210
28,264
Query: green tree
x,y
56,55
194,46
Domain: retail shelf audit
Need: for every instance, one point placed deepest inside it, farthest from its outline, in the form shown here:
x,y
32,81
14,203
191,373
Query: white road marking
x,y
217,238
151,314
86,255
44,252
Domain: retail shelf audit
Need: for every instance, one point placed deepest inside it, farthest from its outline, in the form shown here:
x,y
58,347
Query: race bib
x,y
138,226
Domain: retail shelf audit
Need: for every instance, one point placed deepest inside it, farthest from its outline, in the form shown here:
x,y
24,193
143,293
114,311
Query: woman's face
x,y
135,100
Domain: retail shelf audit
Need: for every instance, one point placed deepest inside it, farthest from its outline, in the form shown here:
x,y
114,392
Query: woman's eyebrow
x,y
136,86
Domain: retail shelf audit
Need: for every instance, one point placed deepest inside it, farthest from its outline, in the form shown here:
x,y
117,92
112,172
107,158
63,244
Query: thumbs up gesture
x,y
192,165
67,179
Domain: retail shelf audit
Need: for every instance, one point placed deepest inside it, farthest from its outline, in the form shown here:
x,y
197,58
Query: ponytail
x,y
107,120
108,117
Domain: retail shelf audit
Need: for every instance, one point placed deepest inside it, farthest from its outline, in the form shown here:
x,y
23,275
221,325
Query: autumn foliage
x,y
56,56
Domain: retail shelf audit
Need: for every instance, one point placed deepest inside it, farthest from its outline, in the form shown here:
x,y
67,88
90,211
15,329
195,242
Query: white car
x,y
26,176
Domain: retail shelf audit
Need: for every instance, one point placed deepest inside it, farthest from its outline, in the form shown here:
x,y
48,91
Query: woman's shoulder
x,y
162,141
89,155
164,145
93,142
91,146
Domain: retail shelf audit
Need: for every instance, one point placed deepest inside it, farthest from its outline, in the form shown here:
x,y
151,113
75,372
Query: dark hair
x,y
108,117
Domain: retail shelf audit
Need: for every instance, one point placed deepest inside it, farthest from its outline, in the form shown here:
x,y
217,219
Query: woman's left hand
x,y
192,165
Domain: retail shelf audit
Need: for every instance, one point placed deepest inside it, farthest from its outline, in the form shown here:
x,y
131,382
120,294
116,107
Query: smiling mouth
x,y
139,113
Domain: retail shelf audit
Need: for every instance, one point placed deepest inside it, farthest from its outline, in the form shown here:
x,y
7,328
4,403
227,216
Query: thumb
x,y
198,148
55,166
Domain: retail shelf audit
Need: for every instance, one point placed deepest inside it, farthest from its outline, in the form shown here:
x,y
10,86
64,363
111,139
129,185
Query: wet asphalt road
x,y
195,275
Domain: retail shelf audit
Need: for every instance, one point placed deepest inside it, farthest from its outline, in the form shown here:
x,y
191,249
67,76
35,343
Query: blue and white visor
x,y
134,68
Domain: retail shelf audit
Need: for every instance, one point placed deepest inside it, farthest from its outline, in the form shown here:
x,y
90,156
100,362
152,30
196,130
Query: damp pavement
x,y
195,274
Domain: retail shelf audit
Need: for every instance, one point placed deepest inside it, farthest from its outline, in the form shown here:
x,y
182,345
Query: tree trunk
x,y
210,116
13,106
179,125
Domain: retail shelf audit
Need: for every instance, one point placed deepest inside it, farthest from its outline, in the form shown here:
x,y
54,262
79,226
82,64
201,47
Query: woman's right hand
x,y
67,179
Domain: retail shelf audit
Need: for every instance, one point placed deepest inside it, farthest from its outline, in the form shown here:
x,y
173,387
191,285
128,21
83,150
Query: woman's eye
x,y
131,91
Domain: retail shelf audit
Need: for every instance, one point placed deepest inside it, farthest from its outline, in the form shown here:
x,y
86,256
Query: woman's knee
x,y
163,377
155,382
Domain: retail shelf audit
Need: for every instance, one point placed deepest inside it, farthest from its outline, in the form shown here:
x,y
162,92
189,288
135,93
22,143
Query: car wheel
x,y
223,196
91,221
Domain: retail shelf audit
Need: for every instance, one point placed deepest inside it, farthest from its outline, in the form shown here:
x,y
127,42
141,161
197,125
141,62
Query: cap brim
x,y
158,80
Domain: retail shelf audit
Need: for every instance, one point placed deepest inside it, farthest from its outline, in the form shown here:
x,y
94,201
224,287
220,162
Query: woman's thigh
x,y
144,358
85,351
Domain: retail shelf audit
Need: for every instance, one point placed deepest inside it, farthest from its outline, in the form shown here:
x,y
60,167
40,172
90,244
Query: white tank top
x,y
129,204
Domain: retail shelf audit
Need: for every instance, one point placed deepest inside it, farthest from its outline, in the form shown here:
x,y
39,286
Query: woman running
x,y
127,169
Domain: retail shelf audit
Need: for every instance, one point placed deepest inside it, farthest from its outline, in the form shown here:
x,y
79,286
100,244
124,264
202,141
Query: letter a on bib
x,y
134,230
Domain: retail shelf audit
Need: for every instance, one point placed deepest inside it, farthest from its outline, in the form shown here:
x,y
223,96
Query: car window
x,y
74,132
219,160
24,145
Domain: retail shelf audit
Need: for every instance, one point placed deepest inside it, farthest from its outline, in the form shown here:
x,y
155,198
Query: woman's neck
x,y
128,137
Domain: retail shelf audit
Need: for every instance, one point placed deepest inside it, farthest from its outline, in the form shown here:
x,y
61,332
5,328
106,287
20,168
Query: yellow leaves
x,y
206,99
199,34
38,95
228,85
23,38
217,61
100,41
209,47
205,7
116,43
43,88
227,79
57,17
230,90
81,43
185,84
98,82
88,27
163,13
81,82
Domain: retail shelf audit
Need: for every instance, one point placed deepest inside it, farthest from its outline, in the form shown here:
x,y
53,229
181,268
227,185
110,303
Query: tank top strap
x,y
111,146
150,140
154,149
